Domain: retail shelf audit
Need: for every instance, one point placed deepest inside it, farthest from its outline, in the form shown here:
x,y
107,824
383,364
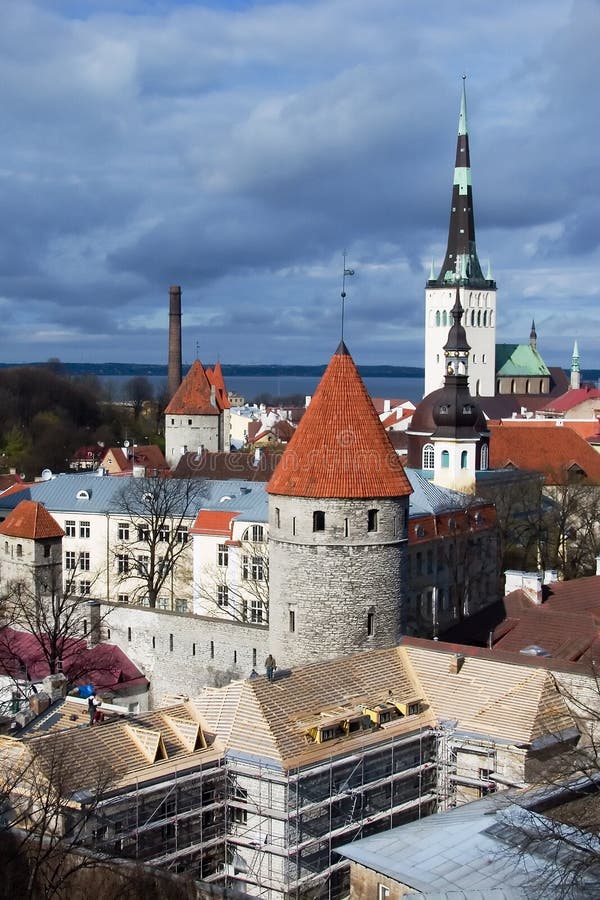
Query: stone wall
x,y
340,589
179,654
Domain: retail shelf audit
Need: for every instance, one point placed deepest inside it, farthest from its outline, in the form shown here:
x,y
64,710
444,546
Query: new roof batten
x,y
461,264
340,448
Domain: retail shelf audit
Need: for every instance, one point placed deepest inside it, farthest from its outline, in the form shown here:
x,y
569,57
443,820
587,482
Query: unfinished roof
x,y
273,719
131,750
32,521
501,700
198,395
340,448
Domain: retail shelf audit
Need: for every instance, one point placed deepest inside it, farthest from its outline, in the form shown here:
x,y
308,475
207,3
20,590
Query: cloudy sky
x,y
237,148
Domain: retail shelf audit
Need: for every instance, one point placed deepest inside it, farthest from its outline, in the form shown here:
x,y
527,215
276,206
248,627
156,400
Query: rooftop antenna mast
x,y
347,272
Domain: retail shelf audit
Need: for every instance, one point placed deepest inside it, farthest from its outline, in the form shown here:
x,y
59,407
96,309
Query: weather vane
x,y
347,272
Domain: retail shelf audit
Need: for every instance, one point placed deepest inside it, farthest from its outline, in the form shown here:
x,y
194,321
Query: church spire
x,y
533,335
575,368
461,265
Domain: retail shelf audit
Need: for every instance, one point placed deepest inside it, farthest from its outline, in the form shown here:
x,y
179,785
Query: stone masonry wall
x,y
339,590
179,654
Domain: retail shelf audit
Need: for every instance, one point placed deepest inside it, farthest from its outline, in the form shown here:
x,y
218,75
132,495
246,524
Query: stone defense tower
x,y
338,517
461,269
174,373
455,414
198,416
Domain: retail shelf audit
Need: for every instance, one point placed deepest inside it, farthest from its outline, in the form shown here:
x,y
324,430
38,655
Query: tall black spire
x,y
461,265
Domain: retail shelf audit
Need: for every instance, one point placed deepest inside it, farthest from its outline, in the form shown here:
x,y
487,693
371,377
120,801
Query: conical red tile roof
x,y
193,396
30,520
340,448
215,376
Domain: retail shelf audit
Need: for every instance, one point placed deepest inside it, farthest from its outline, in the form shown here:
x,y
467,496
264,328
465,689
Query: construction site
x,y
254,786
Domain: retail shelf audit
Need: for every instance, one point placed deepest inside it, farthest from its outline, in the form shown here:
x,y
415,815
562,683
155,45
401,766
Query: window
x,y
490,787
277,517
484,457
212,649
171,643
256,611
383,892
255,534
372,520
294,525
222,555
123,563
292,620
123,531
346,528
445,459
6,546
189,421
182,534
163,533
129,634
428,456
143,533
370,623
70,528
85,587
46,550
430,562
84,529
123,598
19,549
181,606
419,563
222,595
162,603
318,520
464,456
253,568
84,561
141,563
254,655
70,559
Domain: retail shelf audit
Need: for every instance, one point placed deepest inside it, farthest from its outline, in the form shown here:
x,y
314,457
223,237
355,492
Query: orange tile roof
x,y
193,396
214,521
340,448
551,450
215,376
30,520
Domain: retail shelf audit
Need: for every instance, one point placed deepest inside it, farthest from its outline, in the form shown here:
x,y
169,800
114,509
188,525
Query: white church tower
x,y
461,269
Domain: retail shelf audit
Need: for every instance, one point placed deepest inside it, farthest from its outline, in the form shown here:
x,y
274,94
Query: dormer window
x,y
82,495
467,409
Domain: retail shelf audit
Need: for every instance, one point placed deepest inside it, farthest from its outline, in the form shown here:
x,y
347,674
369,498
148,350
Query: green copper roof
x,y
519,359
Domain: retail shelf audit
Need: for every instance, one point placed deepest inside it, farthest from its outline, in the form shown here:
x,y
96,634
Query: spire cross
x,y
346,273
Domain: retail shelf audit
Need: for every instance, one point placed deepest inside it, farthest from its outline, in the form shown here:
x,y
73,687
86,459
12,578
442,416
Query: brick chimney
x,y
174,373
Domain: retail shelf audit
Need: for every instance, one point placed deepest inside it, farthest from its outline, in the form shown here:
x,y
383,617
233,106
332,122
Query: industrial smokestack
x,y
174,376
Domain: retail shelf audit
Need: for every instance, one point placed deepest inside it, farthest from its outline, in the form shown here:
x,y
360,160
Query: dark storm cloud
x,y
238,148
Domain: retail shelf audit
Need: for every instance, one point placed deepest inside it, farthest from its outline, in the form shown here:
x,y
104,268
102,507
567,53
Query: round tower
x,y
338,517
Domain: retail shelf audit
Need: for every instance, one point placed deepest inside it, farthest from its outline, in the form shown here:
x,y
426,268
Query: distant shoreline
x,y
266,371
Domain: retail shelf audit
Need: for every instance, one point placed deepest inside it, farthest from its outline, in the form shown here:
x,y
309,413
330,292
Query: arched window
x,y
464,458
444,318
484,318
437,318
484,457
478,318
19,549
445,459
318,520
255,534
428,456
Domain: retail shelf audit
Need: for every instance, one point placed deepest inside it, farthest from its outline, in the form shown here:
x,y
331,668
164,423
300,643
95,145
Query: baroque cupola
x,y
455,412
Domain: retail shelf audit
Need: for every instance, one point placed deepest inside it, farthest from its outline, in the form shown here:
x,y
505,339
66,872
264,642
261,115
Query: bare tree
x,y
236,584
44,812
153,547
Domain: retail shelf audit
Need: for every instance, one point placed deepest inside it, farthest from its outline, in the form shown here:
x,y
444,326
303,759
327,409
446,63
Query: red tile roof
x,y
30,520
105,666
198,394
573,398
214,521
340,448
8,481
224,465
551,450
215,376
148,455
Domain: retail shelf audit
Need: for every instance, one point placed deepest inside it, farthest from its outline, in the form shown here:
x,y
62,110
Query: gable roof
x,y
32,521
199,394
572,398
150,456
551,450
238,464
340,448
519,360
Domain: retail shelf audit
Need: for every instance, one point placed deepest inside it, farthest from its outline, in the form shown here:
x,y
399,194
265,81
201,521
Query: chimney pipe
x,y
174,375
